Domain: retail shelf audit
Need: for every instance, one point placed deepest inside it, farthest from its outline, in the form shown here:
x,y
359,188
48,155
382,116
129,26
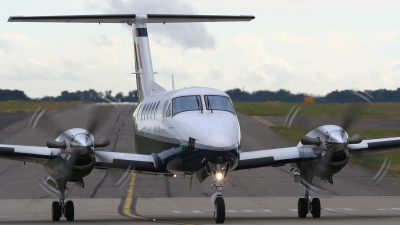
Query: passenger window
x,y
149,111
155,109
143,111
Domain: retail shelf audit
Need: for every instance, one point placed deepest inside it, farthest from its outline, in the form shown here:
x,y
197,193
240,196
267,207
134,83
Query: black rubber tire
x,y
55,211
316,208
69,211
219,215
302,208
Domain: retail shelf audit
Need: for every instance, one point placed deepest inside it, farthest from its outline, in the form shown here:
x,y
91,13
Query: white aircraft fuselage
x,y
183,140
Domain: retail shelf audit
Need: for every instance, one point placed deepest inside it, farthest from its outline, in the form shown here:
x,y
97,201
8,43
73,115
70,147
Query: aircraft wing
x,y
27,153
282,156
375,145
276,157
128,18
122,161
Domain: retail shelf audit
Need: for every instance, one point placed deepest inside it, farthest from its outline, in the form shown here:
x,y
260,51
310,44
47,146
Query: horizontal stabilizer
x,y
129,18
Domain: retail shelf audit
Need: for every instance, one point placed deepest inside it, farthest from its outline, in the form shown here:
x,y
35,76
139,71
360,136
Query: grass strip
x,y
375,110
32,106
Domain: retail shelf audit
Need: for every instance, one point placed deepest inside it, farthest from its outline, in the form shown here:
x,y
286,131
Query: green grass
x,y
31,106
373,161
376,110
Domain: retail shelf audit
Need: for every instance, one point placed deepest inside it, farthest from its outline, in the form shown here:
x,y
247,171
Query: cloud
x,y
103,41
216,74
4,46
188,35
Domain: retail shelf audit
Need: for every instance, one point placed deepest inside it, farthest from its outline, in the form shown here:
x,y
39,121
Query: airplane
x,y
191,131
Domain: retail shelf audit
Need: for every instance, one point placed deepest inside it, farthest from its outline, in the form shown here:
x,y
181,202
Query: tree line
x,y
381,95
89,95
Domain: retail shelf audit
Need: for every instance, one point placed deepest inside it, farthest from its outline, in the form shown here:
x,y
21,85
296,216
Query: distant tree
x,y
6,95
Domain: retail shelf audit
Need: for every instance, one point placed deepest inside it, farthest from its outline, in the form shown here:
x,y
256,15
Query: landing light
x,y
219,176
174,175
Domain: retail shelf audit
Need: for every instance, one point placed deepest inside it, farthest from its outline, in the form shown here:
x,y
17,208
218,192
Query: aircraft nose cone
x,y
219,141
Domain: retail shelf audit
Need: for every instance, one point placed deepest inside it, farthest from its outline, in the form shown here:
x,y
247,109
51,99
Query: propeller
x,y
79,143
358,104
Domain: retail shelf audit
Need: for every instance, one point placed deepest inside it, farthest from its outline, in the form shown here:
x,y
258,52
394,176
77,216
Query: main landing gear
x,y
306,205
61,208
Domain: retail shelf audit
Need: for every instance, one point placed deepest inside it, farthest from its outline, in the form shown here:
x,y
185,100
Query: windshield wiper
x,y
199,106
209,104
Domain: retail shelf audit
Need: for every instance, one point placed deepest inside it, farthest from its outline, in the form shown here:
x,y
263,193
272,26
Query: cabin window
x,y
155,109
216,102
148,114
137,111
186,103
168,113
143,111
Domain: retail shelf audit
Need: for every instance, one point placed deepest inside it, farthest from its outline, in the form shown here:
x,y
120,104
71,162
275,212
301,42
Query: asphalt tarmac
x,y
259,196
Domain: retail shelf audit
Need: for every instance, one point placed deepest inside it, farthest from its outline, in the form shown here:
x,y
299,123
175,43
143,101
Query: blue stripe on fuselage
x,y
141,32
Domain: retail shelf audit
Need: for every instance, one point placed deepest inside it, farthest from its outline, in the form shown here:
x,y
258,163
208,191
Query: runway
x,y
259,196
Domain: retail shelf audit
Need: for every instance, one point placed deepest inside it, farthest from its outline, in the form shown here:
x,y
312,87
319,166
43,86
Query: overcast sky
x,y
310,46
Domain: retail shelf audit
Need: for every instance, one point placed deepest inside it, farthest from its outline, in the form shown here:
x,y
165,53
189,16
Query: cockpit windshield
x,y
216,102
186,103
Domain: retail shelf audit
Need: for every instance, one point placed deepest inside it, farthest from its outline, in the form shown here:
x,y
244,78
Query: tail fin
x,y
144,69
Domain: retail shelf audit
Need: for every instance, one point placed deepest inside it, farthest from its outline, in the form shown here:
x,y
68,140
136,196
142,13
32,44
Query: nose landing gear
x,y
218,204
219,172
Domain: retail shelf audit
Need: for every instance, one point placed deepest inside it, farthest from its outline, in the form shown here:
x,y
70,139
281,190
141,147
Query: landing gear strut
x,y
306,205
61,208
219,171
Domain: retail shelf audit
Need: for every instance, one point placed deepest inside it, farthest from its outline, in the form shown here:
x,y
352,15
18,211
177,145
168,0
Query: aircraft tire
x,y
316,208
69,211
302,208
219,214
55,211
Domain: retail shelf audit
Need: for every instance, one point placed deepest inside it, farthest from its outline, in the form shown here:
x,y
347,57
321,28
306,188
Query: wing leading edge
x,y
375,145
276,157
129,18
27,153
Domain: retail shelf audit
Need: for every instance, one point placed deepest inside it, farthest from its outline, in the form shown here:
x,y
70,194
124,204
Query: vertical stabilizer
x,y
144,67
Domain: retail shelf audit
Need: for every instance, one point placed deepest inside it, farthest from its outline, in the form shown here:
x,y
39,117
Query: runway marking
x,y
176,211
333,209
232,211
266,122
128,204
249,211
266,210
294,210
195,211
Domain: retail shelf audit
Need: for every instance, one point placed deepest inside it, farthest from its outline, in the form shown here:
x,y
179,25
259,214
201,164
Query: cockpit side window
x,y
217,102
168,113
186,103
